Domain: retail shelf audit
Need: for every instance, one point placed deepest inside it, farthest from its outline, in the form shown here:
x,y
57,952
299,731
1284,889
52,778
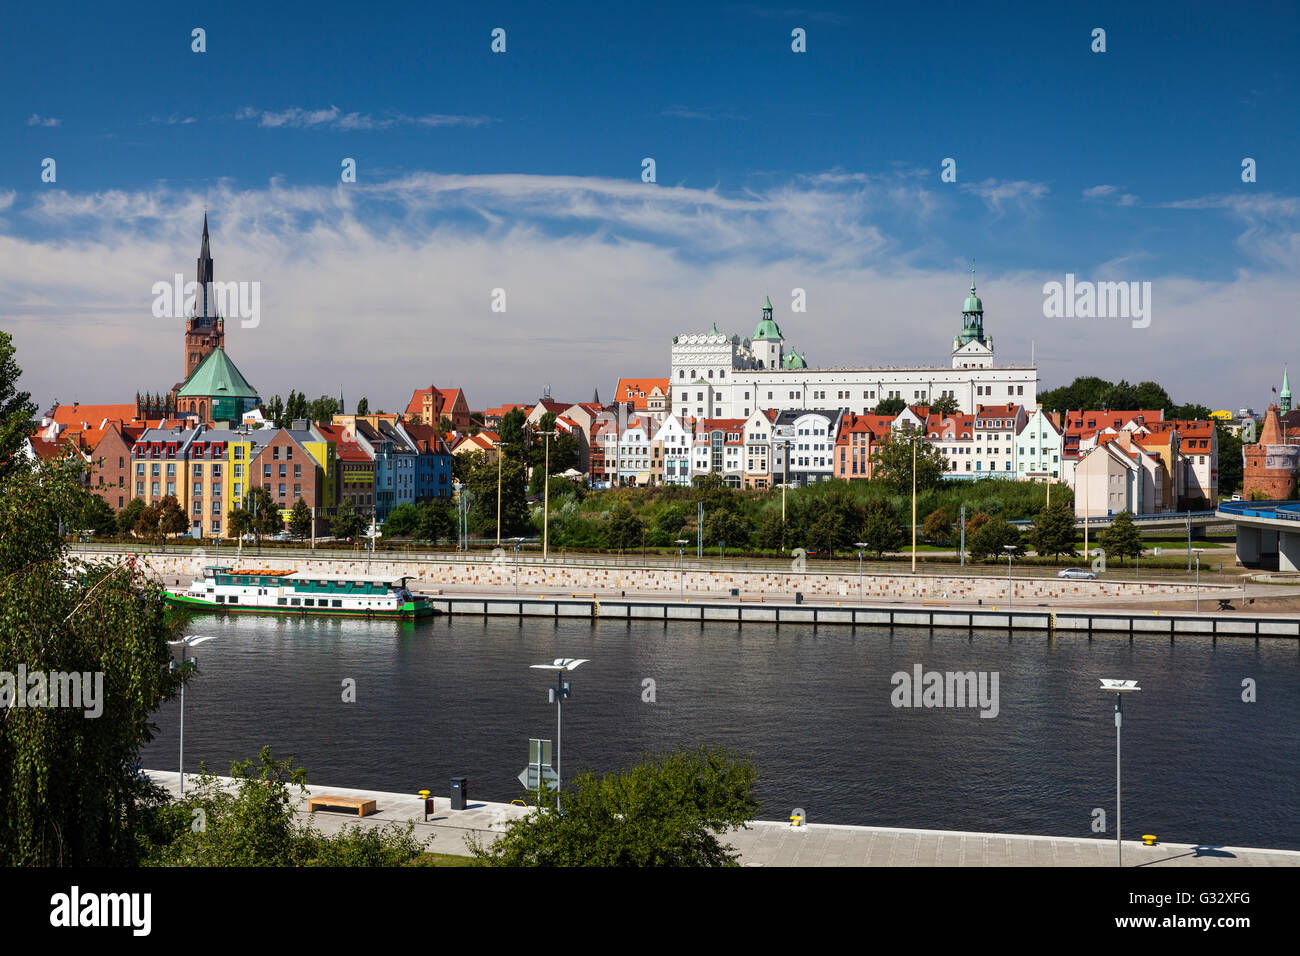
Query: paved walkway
x,y
767,843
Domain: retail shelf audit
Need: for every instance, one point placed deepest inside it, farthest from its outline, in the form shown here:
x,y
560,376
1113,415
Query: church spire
x,y
204,271
1284,397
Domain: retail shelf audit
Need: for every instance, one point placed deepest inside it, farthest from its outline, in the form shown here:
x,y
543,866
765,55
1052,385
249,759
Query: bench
x,y
360,804
583,594
747,597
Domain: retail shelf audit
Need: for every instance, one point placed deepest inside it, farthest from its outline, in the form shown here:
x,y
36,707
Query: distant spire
x,y
972,273
342,408
205,269
595,396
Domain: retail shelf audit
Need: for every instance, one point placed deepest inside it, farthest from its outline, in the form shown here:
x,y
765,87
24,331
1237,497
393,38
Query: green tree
x,y
481,479
1122,539
258,514
16,408
725,525
129,515
512,432
666,811
770,535
890,406
94,515
171,517
944,405
881,531
938,526
1230,461
69,794
346,522
1053,531
253,824
403,521
146,525
892,462
992,537
300,519
363,406
436,520
624,529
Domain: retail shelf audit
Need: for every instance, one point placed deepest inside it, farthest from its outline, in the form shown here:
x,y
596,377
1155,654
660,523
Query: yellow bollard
x,y
1149,839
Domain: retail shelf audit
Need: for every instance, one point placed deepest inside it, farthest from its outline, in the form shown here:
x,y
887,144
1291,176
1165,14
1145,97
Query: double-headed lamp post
x,y
1010,549
558,693
681,572
1197,552
183,645
517,542
1119,688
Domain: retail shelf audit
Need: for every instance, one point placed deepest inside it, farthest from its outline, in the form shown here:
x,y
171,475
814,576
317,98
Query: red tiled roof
x,y
637,390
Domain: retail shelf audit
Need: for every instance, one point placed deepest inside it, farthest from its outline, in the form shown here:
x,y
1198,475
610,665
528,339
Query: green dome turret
x,y
767,327
972,315
794,361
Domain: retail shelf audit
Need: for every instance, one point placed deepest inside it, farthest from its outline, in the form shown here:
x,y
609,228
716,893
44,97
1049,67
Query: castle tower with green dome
x,y
1284,396
768,343
972,348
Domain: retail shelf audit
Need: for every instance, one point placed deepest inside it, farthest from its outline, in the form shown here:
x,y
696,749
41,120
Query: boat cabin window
x,y
336,603
310,602
281,601
295,602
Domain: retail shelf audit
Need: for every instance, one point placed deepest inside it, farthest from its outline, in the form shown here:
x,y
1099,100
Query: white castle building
x,y
719,376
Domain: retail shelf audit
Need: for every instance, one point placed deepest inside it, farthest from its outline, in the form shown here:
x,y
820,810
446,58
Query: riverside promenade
x,y
778,843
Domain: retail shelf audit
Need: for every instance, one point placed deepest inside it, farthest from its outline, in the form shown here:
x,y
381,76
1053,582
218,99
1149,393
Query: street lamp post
x,y
546,499
860,545
1197,552
184,644
558,693
517,542
499,445
1119,688
681,573
1010,588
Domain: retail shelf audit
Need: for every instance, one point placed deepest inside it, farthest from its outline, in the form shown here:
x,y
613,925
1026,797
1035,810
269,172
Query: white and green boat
x,y
268,591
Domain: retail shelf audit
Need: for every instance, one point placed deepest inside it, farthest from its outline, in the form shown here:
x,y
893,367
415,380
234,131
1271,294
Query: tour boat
x,y
268,591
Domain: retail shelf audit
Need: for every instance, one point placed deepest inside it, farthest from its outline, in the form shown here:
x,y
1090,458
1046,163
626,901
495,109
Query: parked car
x,y
1079,573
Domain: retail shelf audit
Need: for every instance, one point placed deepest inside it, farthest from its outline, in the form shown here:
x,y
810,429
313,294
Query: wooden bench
x,y
746,597
582,594
363,806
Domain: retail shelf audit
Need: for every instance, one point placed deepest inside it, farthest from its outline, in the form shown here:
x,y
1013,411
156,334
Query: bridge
x,y
1156,519
1268,533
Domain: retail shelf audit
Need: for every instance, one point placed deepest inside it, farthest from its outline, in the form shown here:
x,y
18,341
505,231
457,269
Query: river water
x,y
814,706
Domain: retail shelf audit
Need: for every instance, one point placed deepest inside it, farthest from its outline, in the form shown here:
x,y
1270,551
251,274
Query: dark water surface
x,y
447,697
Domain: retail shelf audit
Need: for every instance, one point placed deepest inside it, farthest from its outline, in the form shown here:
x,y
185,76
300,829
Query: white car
x,y
1078,573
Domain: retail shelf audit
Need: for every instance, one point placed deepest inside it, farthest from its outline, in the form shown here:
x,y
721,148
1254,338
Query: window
x,y
139,469
198,490
282,471
275,452
239,453
281,489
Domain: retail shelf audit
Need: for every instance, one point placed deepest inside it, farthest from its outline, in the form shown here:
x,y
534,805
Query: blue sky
x,y
521,170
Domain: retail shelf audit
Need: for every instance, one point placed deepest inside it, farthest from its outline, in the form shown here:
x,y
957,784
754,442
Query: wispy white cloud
x,y
174,119
1110,194
997,194
599,275
296,117
7,199
37,120
700,113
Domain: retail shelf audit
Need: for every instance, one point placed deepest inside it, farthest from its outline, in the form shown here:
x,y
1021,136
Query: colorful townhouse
x,y
954,435
355,469
995,430
432,460
804,443
1039,448
759,428
675,440
718,447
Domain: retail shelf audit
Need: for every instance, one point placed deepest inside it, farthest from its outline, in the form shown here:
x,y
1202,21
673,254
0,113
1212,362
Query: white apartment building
x,y
1039,449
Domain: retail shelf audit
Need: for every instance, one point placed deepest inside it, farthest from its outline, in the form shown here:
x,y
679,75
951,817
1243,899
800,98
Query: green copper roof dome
x,y
973,303
217,377
767,327
794,361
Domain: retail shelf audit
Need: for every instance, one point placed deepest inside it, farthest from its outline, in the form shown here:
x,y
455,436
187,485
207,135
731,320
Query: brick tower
x,y
1270,464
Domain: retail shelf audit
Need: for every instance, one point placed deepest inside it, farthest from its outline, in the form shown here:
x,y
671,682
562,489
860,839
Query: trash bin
x,y
459,792
735,592
798,597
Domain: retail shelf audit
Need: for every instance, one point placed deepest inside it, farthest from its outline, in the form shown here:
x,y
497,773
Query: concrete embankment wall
x,y
1027,619
563,579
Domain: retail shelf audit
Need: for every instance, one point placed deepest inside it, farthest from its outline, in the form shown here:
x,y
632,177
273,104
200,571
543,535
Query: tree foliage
x,y
881,532
891,462
253,824
16,408
665,811
300,519
68,792
1053,531
1122,539
992,537
938,526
